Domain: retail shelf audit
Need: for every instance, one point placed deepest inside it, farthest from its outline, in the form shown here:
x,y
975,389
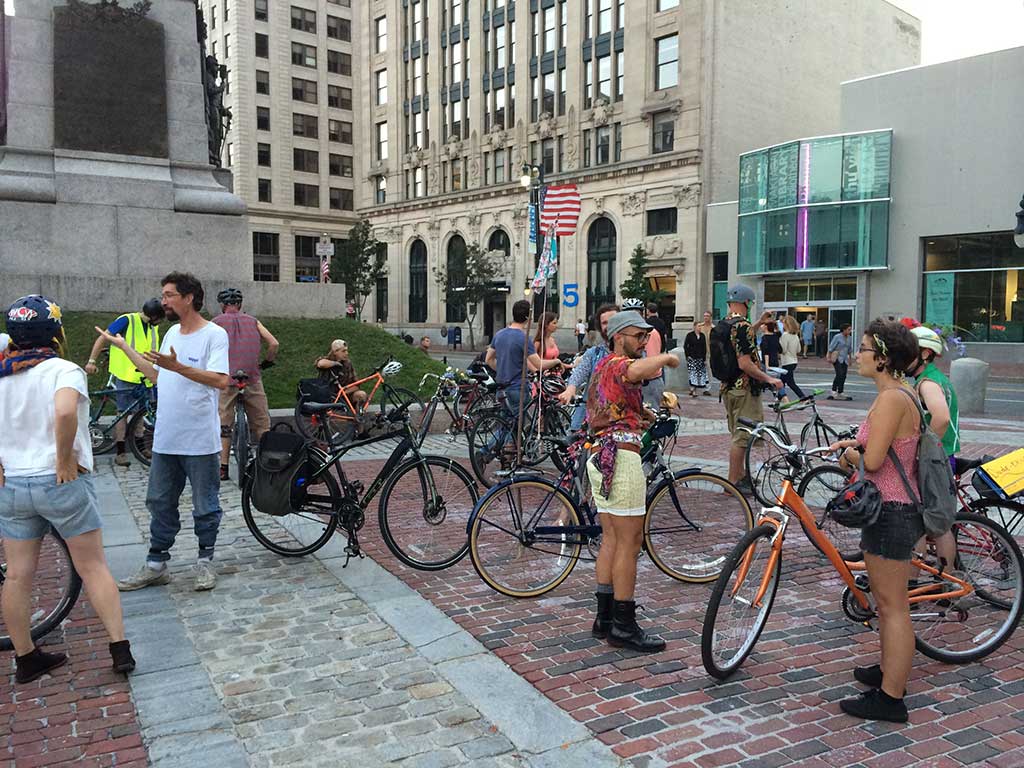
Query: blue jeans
x,y
510,399
167,477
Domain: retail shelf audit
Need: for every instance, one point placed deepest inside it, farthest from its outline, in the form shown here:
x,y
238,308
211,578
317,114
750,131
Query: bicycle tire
x,y
496,539
449,506
139,434
102,439
819,486
694,557
760,462
556,425
976,547
278,533
1008,513
758,537
486,455
401,398
824,435
240,442
57,579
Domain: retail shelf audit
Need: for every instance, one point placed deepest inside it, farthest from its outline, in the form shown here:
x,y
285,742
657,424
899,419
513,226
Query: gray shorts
x,y
30,505
893,535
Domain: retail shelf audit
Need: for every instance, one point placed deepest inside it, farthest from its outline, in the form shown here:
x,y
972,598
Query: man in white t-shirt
x,y
581,334
192,366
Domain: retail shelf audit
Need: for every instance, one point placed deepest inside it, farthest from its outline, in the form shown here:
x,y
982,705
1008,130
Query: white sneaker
x,y
206,576
145,577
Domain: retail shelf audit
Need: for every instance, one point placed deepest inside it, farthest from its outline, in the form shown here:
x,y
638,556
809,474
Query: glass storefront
x,y
832,300
815,204
975,283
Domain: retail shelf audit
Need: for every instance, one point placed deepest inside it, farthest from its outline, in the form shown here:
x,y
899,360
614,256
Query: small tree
x,y
469,286
638,285
361,261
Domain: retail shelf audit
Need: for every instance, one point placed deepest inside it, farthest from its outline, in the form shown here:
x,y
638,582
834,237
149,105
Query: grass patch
x,y
302,342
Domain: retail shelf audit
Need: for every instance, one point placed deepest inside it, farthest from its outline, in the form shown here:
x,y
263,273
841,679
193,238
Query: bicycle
x,y
139,418
469,395
347,421
241,441
418,495
56,586
958,617
527,533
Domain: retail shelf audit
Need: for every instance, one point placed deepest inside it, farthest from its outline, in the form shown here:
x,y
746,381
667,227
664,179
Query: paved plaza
x,y
305,662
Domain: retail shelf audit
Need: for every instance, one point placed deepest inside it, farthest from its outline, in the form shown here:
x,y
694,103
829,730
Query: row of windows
x,y
338,62
266,257
308,195
306,91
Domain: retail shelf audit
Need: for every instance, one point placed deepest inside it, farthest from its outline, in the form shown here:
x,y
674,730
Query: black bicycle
x,y
139,419
56,586
425,501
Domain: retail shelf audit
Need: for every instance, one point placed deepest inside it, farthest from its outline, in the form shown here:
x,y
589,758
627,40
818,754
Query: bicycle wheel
x,y
139,434
101,429
556,425
328,428
817,488
491,448
240,442
736,615
423,512
1009,514
692,521
484,403
508,553
306,529
55,588
765,462
817,434
968,628
400,398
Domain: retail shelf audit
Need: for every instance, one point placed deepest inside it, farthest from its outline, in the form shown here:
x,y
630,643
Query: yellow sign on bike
x,y
1007,472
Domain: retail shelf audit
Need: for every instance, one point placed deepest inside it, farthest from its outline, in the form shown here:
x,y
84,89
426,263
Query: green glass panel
x,y
753,181
781,241
783,171
866,165
821,290
751,244
844,289
823,246
864,235
938,299
718,304
821,170
797,291
774,291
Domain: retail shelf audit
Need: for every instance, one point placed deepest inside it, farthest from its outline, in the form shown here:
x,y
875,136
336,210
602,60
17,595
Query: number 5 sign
x,y
570,294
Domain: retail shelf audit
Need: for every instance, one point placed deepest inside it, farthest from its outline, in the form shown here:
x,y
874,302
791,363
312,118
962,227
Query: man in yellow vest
x,y
140,331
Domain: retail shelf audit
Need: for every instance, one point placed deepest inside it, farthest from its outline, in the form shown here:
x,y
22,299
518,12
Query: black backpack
x,y
282,462
725,366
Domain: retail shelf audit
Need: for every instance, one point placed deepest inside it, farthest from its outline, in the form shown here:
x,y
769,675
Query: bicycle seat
x,y
479,376
308,409
962,465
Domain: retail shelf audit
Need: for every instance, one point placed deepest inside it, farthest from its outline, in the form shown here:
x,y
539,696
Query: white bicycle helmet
x,y
633,304
391,369
928,339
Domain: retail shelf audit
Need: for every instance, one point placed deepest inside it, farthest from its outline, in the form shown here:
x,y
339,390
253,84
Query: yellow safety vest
x,y
142,338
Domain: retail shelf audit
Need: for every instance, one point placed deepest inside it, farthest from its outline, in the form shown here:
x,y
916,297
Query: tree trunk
x,y
471,315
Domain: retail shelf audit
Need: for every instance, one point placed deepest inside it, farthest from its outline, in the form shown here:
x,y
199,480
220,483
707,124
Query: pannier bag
x,y
316,391
278,472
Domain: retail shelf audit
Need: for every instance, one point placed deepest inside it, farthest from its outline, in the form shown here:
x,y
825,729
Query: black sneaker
x,y
870,676
875,705
224,472
35,664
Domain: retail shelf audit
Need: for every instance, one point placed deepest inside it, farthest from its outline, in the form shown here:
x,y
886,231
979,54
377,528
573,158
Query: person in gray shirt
x,y
840,350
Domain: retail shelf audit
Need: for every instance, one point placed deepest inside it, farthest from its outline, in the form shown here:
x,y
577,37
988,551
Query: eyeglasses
x,y
638,336
169,295
872,350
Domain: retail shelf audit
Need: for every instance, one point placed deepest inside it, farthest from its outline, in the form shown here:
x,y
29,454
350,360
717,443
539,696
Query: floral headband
x,y
882,348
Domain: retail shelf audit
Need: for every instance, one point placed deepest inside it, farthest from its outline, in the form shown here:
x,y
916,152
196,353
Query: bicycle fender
x,y
499,486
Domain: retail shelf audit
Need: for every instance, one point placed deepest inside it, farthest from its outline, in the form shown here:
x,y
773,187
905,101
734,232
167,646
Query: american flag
x,y
325,269
561,209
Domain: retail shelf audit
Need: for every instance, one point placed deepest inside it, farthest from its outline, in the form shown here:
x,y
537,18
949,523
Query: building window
x,y
664,5
304,90
662,221
262,118
339,63
306,160
547,153
304,55
342,3
259,9
341,165
213,17
341,199
499,166
604,145
455,310
305,125
382,141
307,195
303,20
227,46
262,82
380,29
339,29
381,191
266,256
667,60
418,282
604,16
264,191
307,263
663,131
339,97
382,86
339,130
602,242
263,154
262,46
382,300
587,148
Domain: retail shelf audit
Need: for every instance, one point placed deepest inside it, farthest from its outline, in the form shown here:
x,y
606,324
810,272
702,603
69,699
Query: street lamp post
x,y
533,179
1018,232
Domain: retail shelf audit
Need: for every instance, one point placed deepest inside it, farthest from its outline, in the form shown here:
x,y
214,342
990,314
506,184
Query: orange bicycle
x,y
959,615
349,419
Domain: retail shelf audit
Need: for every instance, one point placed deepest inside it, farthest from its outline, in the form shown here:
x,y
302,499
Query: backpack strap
x,y
920,411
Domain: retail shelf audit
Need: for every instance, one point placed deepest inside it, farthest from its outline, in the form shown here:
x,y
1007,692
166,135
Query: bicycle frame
x,y
108,395
342,398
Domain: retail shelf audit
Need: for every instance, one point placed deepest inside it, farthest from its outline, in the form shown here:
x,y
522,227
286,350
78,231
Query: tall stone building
x,y
293,141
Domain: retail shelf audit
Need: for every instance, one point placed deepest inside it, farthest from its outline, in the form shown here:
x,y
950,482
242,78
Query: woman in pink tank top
x,y
888,349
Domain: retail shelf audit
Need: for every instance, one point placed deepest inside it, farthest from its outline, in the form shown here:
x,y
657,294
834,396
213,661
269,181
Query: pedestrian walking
x,y
615,410
191,370
820,338
246,336
771,344
141,331
584,367
840,350
581,334
807,334
789,352
695,346
736,363
46,466
889,434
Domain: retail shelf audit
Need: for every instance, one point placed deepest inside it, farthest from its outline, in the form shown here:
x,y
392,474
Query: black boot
x,y
626,633
603,622
35,664
121,656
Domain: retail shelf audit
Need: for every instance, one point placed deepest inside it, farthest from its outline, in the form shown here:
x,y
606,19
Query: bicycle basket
x,y
281,458
316,391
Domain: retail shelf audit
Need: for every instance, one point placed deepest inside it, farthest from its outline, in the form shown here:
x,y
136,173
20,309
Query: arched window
x,y
601,247
455,305
499,241
418,282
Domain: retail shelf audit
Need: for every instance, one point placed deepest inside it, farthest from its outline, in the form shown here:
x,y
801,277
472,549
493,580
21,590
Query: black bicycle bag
x,y
279,472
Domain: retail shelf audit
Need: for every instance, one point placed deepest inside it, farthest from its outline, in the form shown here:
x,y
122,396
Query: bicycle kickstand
x,y
352,549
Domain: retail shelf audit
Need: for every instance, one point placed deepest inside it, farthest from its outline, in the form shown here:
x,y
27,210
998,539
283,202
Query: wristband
x,y
92,361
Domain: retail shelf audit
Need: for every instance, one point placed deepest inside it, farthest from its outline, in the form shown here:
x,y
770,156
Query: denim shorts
x,y
893,535
30,505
